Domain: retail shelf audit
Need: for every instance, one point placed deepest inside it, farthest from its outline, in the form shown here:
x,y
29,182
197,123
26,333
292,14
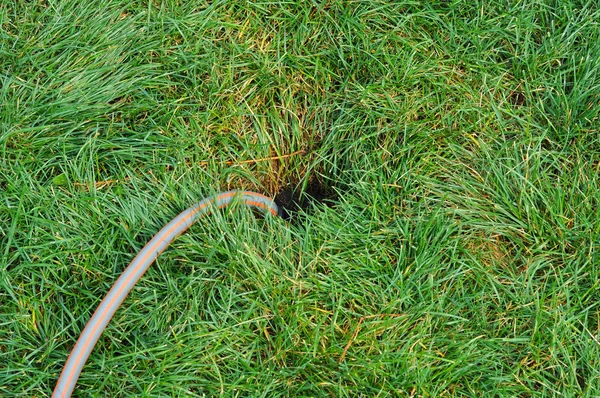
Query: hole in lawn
x,y
517,98
294,198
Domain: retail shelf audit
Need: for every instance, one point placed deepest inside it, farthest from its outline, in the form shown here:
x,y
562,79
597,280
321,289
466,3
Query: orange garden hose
x,y
142,261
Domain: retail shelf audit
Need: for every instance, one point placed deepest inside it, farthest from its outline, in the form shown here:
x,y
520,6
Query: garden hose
x,y
142,261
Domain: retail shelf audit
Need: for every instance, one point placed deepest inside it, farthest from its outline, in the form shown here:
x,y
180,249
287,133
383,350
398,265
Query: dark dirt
x,y
292,199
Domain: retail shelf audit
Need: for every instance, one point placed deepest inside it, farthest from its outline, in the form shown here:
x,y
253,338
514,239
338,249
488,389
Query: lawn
x,y
450,244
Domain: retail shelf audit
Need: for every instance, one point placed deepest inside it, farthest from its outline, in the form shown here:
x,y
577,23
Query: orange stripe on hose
x,y
150,252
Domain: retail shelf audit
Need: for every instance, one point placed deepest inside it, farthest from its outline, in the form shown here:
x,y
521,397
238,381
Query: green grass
x,y
459,255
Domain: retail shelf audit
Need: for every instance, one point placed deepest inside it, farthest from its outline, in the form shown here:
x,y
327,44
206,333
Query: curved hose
x,y
109,305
